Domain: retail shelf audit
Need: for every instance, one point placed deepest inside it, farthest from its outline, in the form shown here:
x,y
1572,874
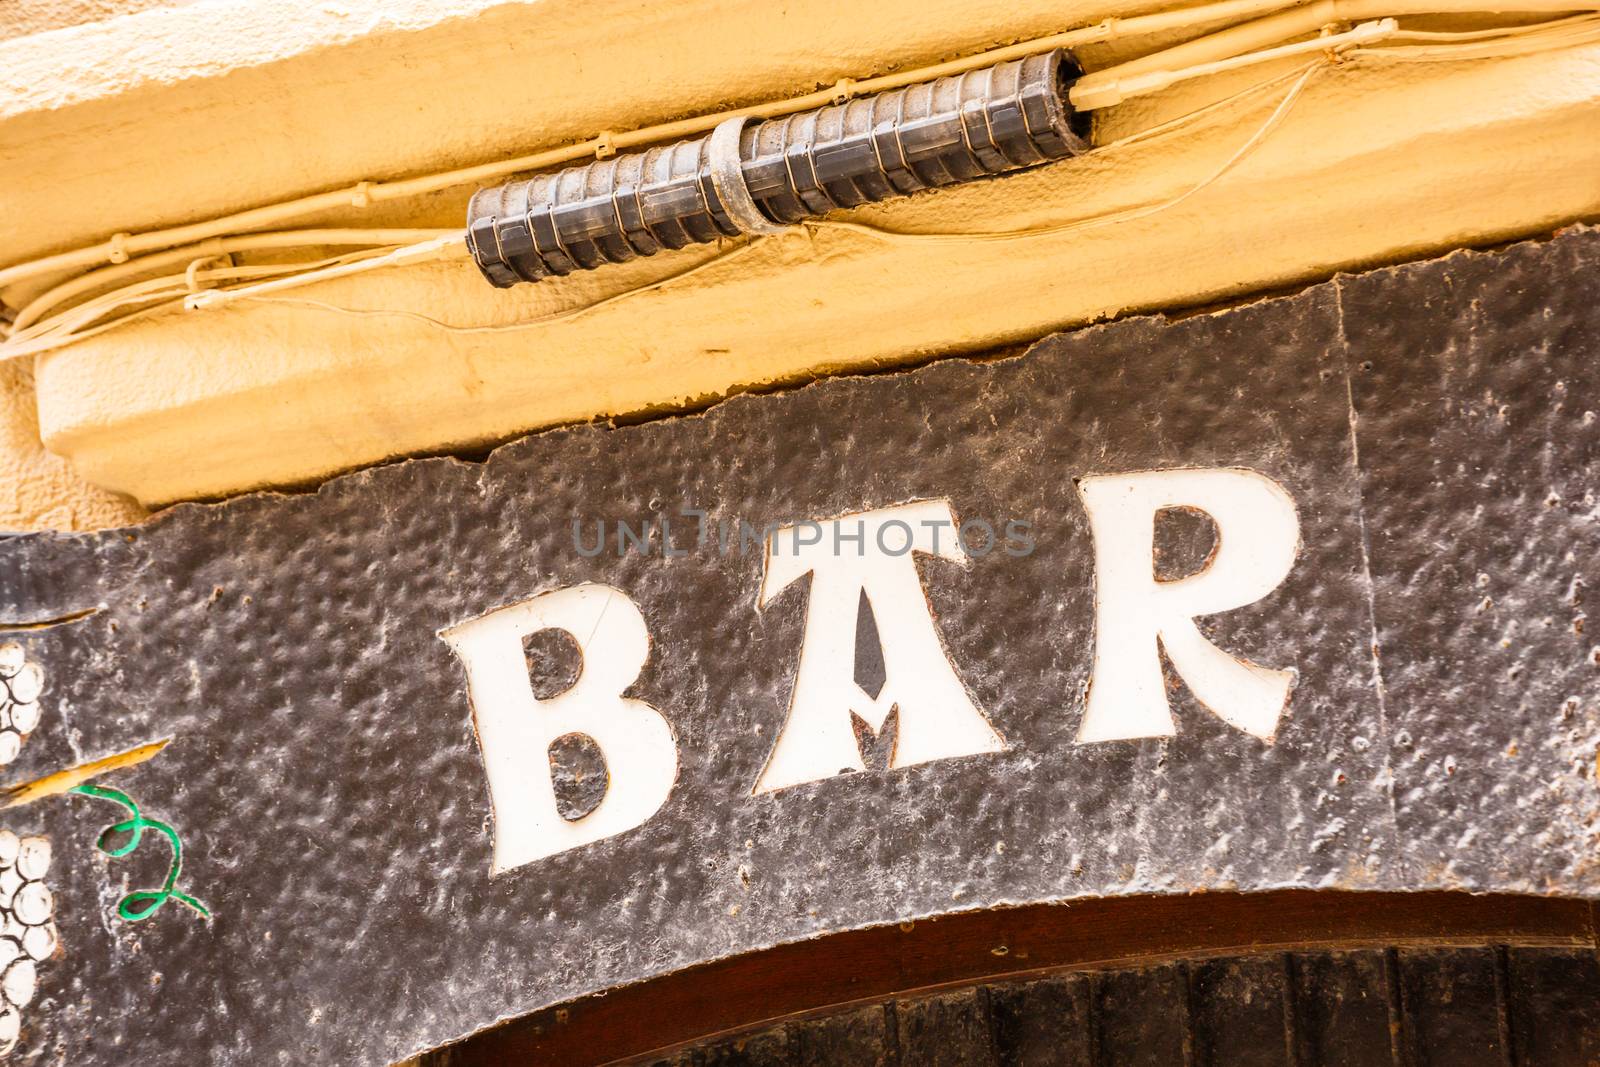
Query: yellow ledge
x,y
1375,161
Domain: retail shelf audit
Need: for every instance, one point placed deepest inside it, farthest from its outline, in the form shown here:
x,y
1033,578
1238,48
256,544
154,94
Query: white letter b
x,y
515,728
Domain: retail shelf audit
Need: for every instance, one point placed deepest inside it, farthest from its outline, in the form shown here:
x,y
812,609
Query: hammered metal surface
x,y
1433,423
1479,411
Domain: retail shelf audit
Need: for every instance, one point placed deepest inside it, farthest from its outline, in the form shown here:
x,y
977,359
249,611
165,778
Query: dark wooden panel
x,y
772,1048
1043,1023
946,1030
1141,1017
864,1037
1341,1009
1554,1007
1242,1012
1452,1007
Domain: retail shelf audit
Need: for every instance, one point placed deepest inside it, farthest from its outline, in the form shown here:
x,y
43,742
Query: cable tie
x,y
1331,53
361,195
605,144
844,90
727,178
119,249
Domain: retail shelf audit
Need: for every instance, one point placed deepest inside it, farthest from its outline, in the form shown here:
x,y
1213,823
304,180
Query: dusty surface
x,y
1435,425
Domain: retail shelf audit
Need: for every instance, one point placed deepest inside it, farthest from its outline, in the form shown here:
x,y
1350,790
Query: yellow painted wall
x,y
1374,162
39,490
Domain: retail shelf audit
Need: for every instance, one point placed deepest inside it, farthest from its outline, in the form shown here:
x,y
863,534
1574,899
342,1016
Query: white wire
x,y
1300,78
36,331
81,321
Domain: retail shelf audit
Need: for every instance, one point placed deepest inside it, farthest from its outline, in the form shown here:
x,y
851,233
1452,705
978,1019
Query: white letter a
x,y
869,552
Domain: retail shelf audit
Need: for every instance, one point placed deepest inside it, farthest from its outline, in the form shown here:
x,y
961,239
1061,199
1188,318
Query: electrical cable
x,y
1585,25
217,246
1299,78
1294,19
364,194
38,327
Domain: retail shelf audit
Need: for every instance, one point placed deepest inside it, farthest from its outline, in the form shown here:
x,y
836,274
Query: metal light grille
x,y
757,177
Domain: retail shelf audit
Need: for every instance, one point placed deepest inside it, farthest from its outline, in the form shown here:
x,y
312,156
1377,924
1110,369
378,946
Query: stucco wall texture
x,y
19,18
39,490
226,104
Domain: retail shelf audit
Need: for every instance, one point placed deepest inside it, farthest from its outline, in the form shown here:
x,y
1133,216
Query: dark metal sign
x,y
1290,595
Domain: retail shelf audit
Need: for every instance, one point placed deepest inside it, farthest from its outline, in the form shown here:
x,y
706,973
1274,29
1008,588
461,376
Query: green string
x,y
142,903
